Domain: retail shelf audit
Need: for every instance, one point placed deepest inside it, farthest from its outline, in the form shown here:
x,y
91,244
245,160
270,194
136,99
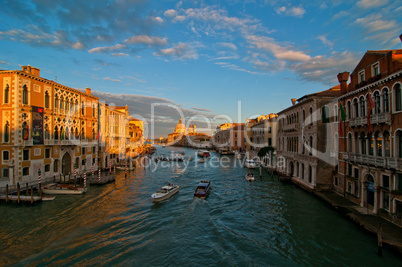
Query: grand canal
x,y
241,223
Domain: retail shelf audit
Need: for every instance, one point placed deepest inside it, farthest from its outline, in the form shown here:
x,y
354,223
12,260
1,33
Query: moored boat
x,y
165,192
201,160
123,168
203,153
202,189
63,189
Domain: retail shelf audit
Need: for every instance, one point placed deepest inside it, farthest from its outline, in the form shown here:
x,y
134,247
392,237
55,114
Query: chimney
x,y
343,80
293,101
88,90
31,70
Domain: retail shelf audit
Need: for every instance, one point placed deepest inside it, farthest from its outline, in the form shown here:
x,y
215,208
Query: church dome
x,y
180,128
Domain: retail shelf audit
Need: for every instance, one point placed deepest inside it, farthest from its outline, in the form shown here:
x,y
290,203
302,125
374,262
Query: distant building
x,y
180,130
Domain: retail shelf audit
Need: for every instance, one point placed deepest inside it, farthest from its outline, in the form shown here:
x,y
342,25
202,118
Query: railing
x,y
374,119
27,142
290,127
385,162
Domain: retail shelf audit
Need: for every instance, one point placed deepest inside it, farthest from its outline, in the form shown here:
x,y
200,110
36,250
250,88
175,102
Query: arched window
x,y
370,138
311,115
387,144
67,104
93,134
77,136
82,108
93,110
310,174
357,150
336,143
363,143
62,133
46,99
399,144
349,142
304,115
56,101
6,132
311,145
56,133
336,113
25,131
6,94
82,133
362,106
349,110
46,131
356,108
302,171
378,144
385,98
398,97
377,102
25,95
67,135
325,114
61,103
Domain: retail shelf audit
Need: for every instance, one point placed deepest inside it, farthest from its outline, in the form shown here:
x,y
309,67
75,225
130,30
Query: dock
x,y
31,199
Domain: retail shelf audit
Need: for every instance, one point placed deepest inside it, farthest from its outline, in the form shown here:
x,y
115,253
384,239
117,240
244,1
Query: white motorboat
x,y
249,177
202,160
63,189
165,192
251,164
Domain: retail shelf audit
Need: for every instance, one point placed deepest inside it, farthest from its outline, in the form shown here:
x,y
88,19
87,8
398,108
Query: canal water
x,y
259,223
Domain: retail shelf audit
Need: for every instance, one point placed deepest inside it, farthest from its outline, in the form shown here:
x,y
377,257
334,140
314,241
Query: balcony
x,y
27,142
374,119
384,162
291,127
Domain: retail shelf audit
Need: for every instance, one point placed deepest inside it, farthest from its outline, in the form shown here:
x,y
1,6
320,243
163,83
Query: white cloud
x,y
111,79
324,40
171,13
229,45
371,3
181,51
374,22
291,11
144,39
106,48
157,19
120,55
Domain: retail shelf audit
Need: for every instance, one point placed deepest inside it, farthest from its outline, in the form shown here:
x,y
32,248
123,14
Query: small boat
x,y
203,189
249,177
165,192
203,153
123,168
48,198
239,156
251,164
63,189
202,160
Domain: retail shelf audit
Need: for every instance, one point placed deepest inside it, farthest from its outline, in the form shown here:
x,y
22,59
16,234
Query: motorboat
x,y
203,189
63,189
123,168
202,160
249,177
48,198
165,192
251,164
203,153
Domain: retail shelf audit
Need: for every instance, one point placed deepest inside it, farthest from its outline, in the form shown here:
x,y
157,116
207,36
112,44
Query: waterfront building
x,y
180,131
305,140
237,137
47,128
263,133
370,164
229,137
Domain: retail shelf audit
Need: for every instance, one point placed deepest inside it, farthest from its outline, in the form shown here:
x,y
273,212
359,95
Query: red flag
x,y
26,136
97,137
370,106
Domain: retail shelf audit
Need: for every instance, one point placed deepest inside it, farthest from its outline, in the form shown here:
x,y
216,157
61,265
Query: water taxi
x,y
251,164
165,192
203,153
203,189
249,177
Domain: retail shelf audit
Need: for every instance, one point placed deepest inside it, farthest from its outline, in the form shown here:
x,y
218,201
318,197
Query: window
x,y
269,141
56,102
370,138
56,133
350,169
378,144
47,153
357,143
349,110
355,108
325,114
362,106
56,165
25,155
311,145
46,132
83,151
61,103
25,95
6,155
25,171
311,115
336,113
269,129
350,143
93,110
94,149
376,69
356,186
93,161
356,173
377,102
47,168
387,145
336,181
302,171
6,94
364,144
398,97
385,200
349,187
362,77
385,181
386,100
83,162
5,173
310,174
82,108
46,99
398,178
6,136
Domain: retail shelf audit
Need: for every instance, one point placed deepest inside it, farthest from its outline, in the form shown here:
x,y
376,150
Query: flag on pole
x,y
370,106
97,137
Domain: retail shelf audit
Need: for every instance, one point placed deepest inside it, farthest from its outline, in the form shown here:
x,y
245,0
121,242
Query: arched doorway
x,y
370,190
66,164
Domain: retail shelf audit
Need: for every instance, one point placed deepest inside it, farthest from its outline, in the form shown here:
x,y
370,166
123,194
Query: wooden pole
x,y
26,193
18,192
31,194
7,193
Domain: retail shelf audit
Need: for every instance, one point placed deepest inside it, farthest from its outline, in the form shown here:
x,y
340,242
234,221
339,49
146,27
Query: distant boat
x,y
203,153
251,164
202,160
249,177
202,189
165,192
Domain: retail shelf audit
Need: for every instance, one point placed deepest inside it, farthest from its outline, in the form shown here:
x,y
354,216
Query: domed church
x,y
180,129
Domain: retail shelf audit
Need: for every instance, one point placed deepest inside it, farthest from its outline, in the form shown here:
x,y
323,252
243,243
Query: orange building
x,y
47,128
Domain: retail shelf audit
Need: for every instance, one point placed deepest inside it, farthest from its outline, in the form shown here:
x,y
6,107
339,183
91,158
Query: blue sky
x,y
203,56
